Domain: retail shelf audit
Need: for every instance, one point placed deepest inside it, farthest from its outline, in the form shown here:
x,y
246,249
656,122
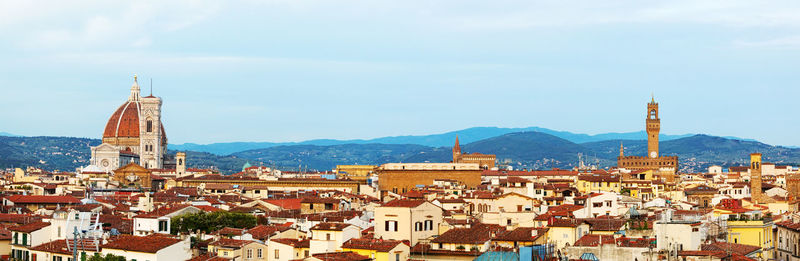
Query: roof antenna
x,y
151,86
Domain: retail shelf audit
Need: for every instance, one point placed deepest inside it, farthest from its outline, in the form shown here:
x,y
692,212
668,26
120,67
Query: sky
x,y
292,70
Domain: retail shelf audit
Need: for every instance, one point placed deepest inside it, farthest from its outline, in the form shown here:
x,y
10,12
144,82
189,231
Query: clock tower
x,y
653,128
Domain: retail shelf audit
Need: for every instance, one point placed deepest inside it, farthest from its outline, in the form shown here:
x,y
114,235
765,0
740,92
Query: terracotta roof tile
x,y
147,244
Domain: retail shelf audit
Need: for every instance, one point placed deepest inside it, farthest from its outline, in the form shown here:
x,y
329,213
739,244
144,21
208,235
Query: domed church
x,y
134,134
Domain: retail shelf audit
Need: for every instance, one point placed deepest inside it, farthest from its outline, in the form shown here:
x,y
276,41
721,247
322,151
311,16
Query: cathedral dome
x,y
124,122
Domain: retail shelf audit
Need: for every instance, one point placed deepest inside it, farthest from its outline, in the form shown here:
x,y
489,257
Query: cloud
x,y
790,42
62,25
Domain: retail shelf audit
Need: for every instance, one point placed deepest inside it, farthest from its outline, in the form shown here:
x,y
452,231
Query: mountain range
x,y
517,149
433,140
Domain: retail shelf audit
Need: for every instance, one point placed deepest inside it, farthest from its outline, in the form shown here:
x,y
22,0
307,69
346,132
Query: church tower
x,y
653,128
456,151
153,141
180,164
755,177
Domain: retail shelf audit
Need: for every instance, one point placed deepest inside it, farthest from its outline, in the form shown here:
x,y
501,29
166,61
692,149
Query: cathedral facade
x,y
133,134
653,160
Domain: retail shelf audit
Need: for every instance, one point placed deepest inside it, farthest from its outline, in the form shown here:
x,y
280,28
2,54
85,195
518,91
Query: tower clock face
x,y
653,154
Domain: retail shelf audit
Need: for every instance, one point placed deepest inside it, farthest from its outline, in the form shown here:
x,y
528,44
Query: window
x,y
249,253
162,225
149,125
428,225
15,238
305,253
396,257
277,254
77,215
328,236
258,253
24,239
390,225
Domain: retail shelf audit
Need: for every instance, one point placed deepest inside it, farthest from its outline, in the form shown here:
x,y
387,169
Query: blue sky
x,y
293,70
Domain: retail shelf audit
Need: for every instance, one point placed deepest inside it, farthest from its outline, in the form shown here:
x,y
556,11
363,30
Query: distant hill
x,y
51,153
531,150
8,134
434,140
327,157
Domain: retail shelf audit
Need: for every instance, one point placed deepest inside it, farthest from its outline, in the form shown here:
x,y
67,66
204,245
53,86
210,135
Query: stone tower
x,y
755,177
653,128
152,140
456,151
180,164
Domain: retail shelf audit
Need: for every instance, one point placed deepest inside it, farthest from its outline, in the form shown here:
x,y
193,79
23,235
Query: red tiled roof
x,y
209,208
163,211
732,247
371,244
331,226
404,203
285,203
521,234
263,232
208,257
28,228
296,243
147,244
18,218
321,200
37,199
230,231
60,247
596,240
476,234
232,243
341,256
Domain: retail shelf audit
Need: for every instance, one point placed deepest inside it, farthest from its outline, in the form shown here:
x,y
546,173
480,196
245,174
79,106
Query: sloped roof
x,y
147,244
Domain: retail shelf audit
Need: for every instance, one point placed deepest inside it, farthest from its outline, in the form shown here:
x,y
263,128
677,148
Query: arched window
x,y
180,161
149,125
652,114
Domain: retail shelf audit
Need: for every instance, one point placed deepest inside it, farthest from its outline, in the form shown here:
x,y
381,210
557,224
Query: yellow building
x,y
599,183
565,232
378,250
747,226
355,172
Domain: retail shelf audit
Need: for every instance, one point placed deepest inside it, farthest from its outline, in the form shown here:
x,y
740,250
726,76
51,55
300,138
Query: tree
x,y
108,257
207,222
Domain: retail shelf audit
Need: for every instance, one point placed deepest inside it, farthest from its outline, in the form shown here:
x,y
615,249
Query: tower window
x,y
149,125
652,114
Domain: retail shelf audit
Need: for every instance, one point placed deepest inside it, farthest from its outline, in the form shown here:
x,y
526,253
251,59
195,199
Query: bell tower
x,y
456,151
653,128
755,177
